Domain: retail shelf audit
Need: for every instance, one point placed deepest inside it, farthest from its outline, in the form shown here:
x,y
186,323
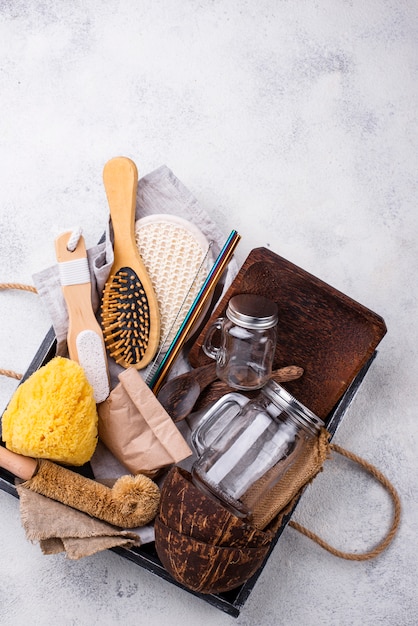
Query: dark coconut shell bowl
x,y
200,543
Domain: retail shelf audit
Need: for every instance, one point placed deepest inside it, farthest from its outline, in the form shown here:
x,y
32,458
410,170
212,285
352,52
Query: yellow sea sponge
x,y
52,415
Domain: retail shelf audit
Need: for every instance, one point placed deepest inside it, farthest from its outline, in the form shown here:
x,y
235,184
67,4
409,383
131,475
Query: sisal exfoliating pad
x,y
175,254
52,415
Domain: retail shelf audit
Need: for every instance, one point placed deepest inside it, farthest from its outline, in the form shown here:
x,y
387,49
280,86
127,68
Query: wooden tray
x,y
145,556
311,313
320,329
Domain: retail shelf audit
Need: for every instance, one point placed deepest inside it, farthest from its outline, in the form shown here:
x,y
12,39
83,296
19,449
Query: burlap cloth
x,y
269,509
59,528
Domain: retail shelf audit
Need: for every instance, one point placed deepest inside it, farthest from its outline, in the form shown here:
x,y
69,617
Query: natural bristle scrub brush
x,y
132,501
130,316
84,337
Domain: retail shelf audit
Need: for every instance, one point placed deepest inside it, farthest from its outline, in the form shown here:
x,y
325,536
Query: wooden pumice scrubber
x,y
130,316
84,338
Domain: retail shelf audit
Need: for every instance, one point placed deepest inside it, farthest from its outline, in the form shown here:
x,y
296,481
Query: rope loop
x,y
385,542
10,374
4,286
74,239
20,287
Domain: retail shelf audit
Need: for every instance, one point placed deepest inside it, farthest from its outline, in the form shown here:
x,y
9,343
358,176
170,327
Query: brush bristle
x,y
125,317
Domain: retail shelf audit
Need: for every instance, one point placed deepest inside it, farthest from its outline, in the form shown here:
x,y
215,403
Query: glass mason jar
x,y
266,434
248,336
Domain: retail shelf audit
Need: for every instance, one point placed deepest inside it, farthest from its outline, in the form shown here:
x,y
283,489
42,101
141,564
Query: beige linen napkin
x,y
59,528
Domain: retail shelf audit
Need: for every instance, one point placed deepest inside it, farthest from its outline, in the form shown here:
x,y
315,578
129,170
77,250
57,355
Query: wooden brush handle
x,y
21,466
133,500
84,336
120,178
77,296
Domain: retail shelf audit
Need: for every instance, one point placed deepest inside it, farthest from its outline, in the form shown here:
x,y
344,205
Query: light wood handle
x,y
120,179
84,336
78,297
21,466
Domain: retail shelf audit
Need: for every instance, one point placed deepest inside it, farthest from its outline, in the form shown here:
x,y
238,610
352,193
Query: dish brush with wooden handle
x,y
130,316
132,501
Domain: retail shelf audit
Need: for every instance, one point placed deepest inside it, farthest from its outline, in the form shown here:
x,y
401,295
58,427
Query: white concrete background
x,y
296,124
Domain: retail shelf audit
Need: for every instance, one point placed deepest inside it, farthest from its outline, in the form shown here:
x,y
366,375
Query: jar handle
x,y
221,409
208,348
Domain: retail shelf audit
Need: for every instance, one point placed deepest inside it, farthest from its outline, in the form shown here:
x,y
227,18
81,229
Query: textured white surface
x,y
177,258
296,124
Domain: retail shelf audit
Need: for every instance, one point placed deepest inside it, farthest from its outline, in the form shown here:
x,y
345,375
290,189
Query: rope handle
x,y
19,286
384,543
71,246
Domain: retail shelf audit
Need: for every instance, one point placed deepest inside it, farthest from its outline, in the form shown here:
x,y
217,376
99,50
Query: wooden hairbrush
x,y
130,316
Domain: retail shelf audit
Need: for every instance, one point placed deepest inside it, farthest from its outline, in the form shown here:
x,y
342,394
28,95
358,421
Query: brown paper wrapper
x,y
137,430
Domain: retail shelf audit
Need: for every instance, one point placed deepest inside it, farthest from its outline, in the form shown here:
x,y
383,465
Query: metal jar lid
x,y
252,311
286,402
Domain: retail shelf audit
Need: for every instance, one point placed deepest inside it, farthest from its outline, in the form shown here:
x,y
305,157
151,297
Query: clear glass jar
x,y
266,435
248,336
